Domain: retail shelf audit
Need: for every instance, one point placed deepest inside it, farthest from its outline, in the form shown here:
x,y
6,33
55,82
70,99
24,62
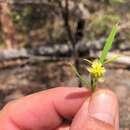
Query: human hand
x,y
50,110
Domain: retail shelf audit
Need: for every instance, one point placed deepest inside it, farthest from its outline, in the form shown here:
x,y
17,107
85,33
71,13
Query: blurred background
x,y
38,40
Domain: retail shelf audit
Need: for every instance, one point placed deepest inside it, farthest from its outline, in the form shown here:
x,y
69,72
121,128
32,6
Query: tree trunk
x,y
7,25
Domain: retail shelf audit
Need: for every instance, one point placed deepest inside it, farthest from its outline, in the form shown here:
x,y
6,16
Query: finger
x,y
100,112
44,110
64,127
117,121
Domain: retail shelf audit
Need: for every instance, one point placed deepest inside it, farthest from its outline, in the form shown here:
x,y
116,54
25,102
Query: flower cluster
x,y
96,70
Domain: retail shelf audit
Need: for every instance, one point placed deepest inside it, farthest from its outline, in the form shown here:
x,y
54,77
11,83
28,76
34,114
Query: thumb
x,y
99,112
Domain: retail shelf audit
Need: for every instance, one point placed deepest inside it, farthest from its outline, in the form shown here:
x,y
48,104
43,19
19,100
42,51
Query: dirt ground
x,y
20,81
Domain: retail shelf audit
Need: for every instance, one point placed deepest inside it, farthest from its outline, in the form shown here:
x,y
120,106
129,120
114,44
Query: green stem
x,y
93,83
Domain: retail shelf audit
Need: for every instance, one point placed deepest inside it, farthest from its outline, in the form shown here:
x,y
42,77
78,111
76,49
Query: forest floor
x,y
20,81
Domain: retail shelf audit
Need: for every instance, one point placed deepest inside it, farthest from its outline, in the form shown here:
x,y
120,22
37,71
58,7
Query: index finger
x,y
44,110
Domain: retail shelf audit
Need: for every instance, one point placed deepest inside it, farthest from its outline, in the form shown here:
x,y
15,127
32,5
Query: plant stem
x,y
93,83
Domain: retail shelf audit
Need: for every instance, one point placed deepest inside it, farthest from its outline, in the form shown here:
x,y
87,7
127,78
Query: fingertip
x,y
115,100
104,106
99,92
100,111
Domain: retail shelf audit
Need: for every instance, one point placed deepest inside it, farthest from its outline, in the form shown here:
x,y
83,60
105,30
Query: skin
x,y
62,108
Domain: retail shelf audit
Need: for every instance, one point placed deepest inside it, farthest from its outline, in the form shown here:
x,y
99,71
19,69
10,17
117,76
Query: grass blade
x,y
88,61
80,77
114,58
108,44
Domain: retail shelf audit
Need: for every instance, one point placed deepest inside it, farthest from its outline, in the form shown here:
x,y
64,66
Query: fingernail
x,y
103,106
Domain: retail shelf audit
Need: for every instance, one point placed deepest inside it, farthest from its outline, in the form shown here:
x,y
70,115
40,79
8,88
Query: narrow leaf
x,y
88,61
80,77
108,44
114,58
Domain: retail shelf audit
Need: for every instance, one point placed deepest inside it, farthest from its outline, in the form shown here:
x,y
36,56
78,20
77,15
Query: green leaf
x,y
114,58
108,44
79,76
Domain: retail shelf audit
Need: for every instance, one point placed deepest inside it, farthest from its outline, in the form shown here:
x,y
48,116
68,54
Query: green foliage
x,y
108,44
78,75
111,60
15,16
97,69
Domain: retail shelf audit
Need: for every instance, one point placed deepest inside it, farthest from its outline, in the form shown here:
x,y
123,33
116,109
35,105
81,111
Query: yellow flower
x,y
96,69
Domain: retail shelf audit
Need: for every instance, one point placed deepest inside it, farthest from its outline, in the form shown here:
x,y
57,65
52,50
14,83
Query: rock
x,y
121,92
